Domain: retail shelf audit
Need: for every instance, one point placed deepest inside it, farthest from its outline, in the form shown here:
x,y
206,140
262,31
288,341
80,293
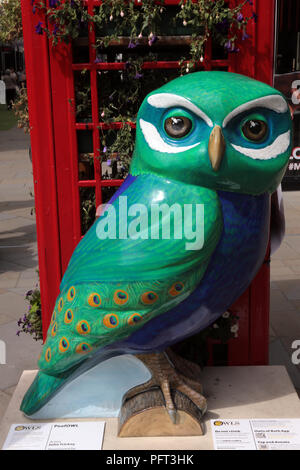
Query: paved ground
x,y
18,263
18,257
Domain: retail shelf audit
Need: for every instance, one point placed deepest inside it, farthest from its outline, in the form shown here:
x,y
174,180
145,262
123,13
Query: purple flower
x,y
240,17
104,149
18,333
97,60
39,28
55,29
34,10
250,2
19,322
24,318
231,47
29,292
152,40
131,45
138,76
108,163
53,3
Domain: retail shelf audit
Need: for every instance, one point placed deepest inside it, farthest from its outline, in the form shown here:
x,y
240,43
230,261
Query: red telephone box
x,y
55,133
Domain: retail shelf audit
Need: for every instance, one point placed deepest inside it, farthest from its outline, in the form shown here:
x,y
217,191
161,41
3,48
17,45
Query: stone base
x,y
231,392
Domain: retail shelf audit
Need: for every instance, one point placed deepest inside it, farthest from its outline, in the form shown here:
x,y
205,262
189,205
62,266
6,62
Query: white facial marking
x,y
155,141
273,102
279,146
167,100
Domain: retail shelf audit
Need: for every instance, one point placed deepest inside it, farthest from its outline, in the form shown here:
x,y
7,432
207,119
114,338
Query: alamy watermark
x,y
160,221
296,354
2,352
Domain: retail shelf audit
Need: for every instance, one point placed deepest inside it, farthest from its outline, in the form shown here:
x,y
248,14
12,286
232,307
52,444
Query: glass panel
x,y
122,92
218,52
86,166
87,208
165,49
114,168
116,150
82,89
85,141
108,192
80,48
221,68
166,25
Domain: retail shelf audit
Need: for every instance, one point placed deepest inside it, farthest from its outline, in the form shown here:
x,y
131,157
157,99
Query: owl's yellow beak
x,y
216,147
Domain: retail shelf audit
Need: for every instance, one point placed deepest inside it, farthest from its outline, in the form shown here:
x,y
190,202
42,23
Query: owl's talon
x,y
173,414
168,379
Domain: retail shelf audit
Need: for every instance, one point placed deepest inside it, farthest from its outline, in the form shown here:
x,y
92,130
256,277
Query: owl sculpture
x,y
181,239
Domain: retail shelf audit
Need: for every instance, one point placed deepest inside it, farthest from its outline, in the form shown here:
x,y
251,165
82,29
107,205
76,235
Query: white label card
x,y
84,435
256,434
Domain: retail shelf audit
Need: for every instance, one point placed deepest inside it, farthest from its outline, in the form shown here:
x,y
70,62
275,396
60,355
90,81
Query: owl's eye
x,y
255,130
178,126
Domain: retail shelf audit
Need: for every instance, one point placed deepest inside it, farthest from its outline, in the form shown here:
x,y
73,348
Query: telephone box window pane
x,y
80,46
86,166
82,88
121,92
218,52
85,141
108,192
169,48
87,208
167,25
114,168
117,146
80,50
221,68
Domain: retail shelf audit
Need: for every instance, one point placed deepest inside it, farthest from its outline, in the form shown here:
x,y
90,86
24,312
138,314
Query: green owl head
x,y
219,130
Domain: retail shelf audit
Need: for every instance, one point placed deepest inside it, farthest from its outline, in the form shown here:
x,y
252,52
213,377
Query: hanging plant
x,y
64,19
114,18
10,21
141,22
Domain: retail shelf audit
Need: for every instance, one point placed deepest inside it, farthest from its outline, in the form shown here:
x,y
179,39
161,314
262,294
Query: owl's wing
x,y
126,255
112,287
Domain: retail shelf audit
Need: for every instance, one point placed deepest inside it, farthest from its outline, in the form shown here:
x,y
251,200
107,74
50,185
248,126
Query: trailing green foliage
x,y
10,21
